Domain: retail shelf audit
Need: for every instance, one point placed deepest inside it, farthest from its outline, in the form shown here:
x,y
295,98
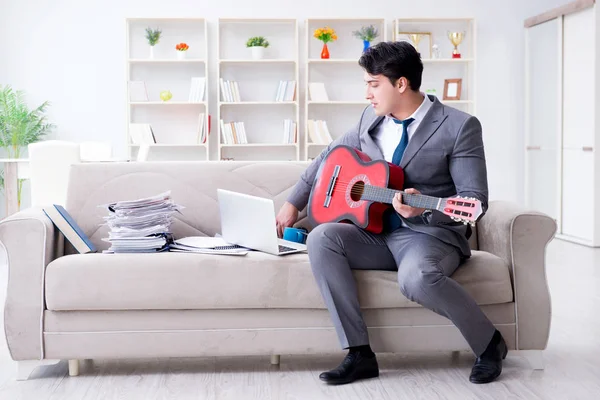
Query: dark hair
x,y
394,60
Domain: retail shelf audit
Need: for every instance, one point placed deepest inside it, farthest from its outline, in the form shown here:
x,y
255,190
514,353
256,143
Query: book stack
x,y
197,89
290,133
230,91
286,91
233,132
318,132
141,226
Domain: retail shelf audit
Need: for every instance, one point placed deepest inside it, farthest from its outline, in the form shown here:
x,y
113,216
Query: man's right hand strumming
x,y
287,217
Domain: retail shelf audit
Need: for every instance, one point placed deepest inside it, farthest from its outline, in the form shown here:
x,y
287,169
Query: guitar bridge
x,y
332,181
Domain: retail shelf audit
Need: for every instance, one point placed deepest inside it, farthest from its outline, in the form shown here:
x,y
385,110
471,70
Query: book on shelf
x,y
233,132
202,135
141,133
230,91
317,91
137,91
69,228
318,132
290,131
197,89
286,91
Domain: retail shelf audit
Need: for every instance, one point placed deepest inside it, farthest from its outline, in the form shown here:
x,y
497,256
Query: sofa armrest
x,y
520,237
31,242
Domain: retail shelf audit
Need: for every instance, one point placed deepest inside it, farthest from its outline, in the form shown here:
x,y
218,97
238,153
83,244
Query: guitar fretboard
x,y
385,195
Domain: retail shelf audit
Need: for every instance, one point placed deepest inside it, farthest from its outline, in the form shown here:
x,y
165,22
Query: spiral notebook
x,y
207,245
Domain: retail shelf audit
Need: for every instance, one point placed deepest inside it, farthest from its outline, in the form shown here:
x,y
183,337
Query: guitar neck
x,y
385,195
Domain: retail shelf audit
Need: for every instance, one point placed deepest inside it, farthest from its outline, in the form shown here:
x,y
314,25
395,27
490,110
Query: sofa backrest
x,y
193,184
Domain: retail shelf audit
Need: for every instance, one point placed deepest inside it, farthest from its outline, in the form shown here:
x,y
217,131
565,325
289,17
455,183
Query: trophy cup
x,y
456,38
415,38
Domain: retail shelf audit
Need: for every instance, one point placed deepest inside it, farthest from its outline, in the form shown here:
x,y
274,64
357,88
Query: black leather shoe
x,y
354,366
488,366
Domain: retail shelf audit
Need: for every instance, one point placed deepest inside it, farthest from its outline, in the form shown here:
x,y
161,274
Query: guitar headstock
x,y
462,209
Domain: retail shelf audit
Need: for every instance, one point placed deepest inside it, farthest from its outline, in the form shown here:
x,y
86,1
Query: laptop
x,y
249,221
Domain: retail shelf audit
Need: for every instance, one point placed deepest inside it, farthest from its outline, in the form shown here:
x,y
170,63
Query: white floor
x,y
572,362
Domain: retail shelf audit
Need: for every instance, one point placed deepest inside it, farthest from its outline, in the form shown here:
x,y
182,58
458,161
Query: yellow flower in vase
x,y
325,35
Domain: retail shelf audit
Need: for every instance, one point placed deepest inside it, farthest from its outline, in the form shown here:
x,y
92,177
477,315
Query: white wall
x,y
72,53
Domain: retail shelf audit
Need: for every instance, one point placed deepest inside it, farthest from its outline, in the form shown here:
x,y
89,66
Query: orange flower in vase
x,y
181,49
325,35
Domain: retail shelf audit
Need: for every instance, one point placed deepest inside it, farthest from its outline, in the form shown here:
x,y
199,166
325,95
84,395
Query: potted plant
x,y
257,45
181,50
325,35
367,34
153,37
20,126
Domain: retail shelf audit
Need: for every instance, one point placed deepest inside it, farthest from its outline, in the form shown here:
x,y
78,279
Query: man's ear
x,y
402,84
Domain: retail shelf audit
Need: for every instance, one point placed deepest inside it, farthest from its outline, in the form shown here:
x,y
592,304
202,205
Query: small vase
x,y
366,45
151,52
181,55
258,52
325,51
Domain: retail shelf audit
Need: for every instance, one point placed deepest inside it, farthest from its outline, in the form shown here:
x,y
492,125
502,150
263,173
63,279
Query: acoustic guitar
x,y
350,187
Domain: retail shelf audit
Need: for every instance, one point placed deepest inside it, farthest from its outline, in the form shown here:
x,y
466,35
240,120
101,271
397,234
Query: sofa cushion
x,y
257,280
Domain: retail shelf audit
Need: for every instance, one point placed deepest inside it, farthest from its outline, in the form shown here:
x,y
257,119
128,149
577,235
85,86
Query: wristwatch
x,y
426,214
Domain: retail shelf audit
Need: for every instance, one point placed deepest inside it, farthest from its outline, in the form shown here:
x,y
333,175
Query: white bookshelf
x,y
436,70
179,131
257,82
341,75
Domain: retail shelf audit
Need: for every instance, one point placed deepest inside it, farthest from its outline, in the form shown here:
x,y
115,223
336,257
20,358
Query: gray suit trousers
x,y
423,262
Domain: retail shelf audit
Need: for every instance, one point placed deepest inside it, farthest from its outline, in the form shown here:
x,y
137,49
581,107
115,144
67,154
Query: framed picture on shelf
x,y
452,88
415,38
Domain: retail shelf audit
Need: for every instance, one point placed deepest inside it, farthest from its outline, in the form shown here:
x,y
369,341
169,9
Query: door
x,y
543,117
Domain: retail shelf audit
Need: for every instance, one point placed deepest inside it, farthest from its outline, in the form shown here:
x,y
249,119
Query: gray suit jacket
x,y
445,157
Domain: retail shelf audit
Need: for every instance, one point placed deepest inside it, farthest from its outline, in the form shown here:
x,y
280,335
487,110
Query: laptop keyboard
x,y
285,248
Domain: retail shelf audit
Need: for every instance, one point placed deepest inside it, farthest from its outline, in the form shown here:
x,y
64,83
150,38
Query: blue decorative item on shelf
x,y
366,45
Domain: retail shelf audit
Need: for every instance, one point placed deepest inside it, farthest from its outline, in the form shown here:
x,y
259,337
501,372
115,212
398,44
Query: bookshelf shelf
x,y
178,128
258,97
170,145
263,61
167,103
254,103
259,145
164,61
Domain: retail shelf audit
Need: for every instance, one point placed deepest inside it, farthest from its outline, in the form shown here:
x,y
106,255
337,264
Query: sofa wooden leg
x,y
534,357
73,367
275,359
25,368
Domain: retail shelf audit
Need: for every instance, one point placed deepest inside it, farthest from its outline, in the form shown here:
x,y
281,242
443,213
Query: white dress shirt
x,y
389,133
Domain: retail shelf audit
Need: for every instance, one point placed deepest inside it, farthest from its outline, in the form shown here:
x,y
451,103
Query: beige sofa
x,y
62,305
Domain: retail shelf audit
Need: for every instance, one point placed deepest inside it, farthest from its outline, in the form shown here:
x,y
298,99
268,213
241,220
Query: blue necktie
x,y
403,141
391,219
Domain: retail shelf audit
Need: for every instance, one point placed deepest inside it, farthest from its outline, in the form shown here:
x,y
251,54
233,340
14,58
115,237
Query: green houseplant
x,y
153,37
257,45
20,125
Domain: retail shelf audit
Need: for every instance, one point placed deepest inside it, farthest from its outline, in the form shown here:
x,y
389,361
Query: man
x,y
441,152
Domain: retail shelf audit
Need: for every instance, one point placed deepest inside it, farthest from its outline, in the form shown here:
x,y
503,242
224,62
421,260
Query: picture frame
x,y
405,36
452,89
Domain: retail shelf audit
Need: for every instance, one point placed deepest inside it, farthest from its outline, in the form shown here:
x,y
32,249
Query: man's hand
x,y
403,209
287,217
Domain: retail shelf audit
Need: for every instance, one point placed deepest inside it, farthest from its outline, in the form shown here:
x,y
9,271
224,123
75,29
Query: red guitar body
x,y
355,168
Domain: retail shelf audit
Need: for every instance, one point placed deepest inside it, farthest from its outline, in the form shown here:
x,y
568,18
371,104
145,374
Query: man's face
x,y
384,96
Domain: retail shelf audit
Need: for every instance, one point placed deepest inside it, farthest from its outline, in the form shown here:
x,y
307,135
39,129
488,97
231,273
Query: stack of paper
x,y
142,225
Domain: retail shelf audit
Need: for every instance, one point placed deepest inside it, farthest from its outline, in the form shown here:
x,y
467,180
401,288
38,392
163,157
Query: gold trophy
x,y
415,38
456,38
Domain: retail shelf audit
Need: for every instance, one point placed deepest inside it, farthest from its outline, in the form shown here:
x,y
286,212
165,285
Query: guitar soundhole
x,y
357,191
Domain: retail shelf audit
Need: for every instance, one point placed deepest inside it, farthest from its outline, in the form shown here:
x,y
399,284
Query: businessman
x,y
441,151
